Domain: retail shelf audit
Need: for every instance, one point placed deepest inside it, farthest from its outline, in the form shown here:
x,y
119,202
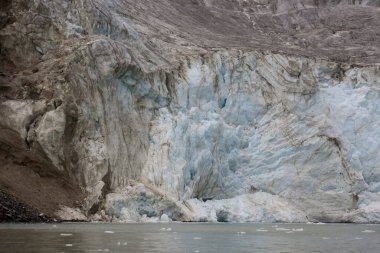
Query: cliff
x,y
203,110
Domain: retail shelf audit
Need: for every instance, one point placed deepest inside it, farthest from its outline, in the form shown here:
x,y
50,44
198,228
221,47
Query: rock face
x,y
195,110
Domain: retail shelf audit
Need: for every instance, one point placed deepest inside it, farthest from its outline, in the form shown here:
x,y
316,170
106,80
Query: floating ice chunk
x,y
196,251
358,238
62,234
54,226
297,229
169,229
290,232
261,230
241,233
197,238
325,238
118,243
109,232
368,231
282,229
275,226
163,229
125,243
164,218
68,245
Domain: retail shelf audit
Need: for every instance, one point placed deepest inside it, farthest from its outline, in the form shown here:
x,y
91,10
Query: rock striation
x,y
202,110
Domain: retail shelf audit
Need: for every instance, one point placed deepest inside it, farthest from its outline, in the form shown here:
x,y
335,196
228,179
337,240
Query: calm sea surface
x,y
180,237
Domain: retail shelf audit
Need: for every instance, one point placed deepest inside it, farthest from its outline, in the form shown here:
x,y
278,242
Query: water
x,y
184,237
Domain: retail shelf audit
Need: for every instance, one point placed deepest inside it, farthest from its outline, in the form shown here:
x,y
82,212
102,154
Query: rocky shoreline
x,y
12,210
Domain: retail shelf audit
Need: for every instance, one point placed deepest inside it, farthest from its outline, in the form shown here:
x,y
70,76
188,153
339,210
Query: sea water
x,y
189,237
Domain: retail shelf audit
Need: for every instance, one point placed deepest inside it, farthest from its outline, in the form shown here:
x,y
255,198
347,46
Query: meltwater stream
x,y
183,237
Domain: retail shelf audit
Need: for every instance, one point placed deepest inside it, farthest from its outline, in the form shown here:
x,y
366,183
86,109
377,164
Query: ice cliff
x,y
260,111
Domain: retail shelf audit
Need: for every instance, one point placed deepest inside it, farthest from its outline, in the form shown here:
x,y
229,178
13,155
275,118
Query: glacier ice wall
x,y
254,114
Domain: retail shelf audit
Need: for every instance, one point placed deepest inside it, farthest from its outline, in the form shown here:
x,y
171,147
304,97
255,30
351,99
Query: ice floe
x,y
261,230
368,231
282,229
